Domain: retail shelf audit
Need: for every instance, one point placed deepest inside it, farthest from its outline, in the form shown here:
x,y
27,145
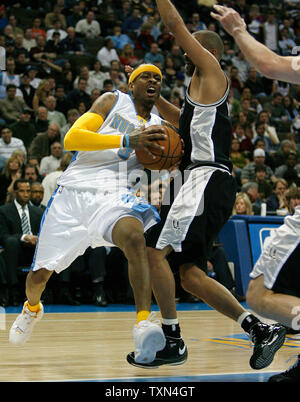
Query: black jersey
x,y
206,131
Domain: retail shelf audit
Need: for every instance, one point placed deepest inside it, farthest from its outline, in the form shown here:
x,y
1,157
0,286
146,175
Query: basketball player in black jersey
x,y
203,203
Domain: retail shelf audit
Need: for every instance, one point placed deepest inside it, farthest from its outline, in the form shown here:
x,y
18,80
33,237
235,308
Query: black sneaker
x,y
291,375
267,339
174,353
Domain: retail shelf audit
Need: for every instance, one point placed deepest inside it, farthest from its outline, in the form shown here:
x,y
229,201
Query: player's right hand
x,y
144,138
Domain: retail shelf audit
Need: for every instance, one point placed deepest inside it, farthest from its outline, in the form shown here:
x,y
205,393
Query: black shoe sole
x,y
263,357
156,364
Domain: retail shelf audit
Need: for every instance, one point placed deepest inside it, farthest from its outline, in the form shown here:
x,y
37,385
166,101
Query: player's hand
x,y
144,138
231,20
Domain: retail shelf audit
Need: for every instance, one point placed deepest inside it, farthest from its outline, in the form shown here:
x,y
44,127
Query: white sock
x,y
169,321
242,317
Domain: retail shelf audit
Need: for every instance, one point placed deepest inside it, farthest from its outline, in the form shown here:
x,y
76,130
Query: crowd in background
x,y
60,57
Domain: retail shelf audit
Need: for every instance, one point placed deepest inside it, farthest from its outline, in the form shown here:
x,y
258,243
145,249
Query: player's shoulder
x,y
104,102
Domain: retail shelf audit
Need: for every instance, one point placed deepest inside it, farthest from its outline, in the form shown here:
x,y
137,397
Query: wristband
x,y
126,136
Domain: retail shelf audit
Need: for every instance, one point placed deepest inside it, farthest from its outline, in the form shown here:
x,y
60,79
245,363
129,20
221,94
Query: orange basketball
x,y
166,158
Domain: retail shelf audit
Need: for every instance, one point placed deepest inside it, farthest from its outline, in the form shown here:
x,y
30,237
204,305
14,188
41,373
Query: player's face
x,y
147,86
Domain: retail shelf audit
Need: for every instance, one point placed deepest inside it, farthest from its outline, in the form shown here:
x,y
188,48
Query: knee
x,y
134,244
189,275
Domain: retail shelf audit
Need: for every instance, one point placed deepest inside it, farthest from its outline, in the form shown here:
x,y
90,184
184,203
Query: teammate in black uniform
x,y
203,203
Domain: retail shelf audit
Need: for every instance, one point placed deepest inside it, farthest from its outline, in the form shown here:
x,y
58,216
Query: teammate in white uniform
x,y
95,203
274,290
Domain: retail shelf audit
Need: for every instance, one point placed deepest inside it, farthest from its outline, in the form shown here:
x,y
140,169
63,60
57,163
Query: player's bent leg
x,y
33,309
128,235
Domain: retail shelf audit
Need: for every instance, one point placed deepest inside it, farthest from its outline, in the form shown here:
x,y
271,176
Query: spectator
x,y
8,143
36,28
72,116
144,39
88,27
41,122
285,44
51,163
242,205
91,81
123,12
269,32
40,52
133,23
277,111
277,199
292,199
196,23
41,94
12,172
31,173
29,40
266,135
27,90
24,129
19,226
11,106
53,114
15,25
50,181
3,17
254,83
290,163
248,172
120,39
79,94
71,45
41,144
32,74
280,157
236,83
154,56
36,195
99,75
242,65
128,57
57,28
74,16
264,186
251,189
55,15
239,133
107,53
9,76
165,40
62,104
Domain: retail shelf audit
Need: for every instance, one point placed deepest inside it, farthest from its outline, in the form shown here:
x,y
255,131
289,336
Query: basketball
x,y
164,159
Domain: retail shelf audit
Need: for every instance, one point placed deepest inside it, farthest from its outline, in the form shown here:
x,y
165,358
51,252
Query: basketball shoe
x,y
148,339
267,339
174,353
23,325
291,375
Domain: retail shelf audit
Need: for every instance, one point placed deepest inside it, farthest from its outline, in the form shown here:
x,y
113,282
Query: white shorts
x,y
75,220
277,249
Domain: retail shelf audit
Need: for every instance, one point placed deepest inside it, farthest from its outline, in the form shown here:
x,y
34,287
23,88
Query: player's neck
x,y
144,110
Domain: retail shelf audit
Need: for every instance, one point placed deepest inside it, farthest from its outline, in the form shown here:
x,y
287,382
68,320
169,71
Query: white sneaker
x,y
22,327
148,339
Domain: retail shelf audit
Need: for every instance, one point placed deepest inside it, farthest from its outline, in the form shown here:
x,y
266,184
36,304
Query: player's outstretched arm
x,y
263,59
200,57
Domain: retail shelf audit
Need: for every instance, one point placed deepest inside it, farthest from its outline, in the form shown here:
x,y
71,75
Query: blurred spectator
x,y
72,116
277,199
3,17
254,83
123,12
8,143
280,156
32,74
36,195
270,31
88,27
11,173
72,45
41,94
12,106
285,44
165,40
24,129
154,55
248,172
62,104
19,48
293,199
9,76
74,16
196,23
178,58
29,40
54,15
79,94
15,25
133,23
57,28
242,65
53,114
19,226
239,133
31,173
39,52
144,38
41,122
254,21
262,132
290,107
276,109
98,75
128,57
264,185
41,144
236,82
21,63
36,28
50,181
107,53
120,39
242,205
290,162
91,81
51,163
251,189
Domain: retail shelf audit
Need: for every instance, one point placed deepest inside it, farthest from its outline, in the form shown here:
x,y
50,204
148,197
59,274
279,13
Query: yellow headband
x,y
144,67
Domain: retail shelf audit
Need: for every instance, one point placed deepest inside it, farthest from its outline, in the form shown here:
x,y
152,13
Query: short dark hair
x,y
16,183
260,168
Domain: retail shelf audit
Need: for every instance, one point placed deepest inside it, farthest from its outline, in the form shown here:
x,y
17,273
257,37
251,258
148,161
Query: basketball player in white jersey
x,y
203,203
274,290
95,203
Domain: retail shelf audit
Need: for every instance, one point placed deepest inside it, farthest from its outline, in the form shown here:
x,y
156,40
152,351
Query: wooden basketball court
x,y
87,343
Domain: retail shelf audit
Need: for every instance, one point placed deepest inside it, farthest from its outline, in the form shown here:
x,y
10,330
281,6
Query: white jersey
x,y
101,170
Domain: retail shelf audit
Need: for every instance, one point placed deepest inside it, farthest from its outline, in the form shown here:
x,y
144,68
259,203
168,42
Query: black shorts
x,y
288,279
192,225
